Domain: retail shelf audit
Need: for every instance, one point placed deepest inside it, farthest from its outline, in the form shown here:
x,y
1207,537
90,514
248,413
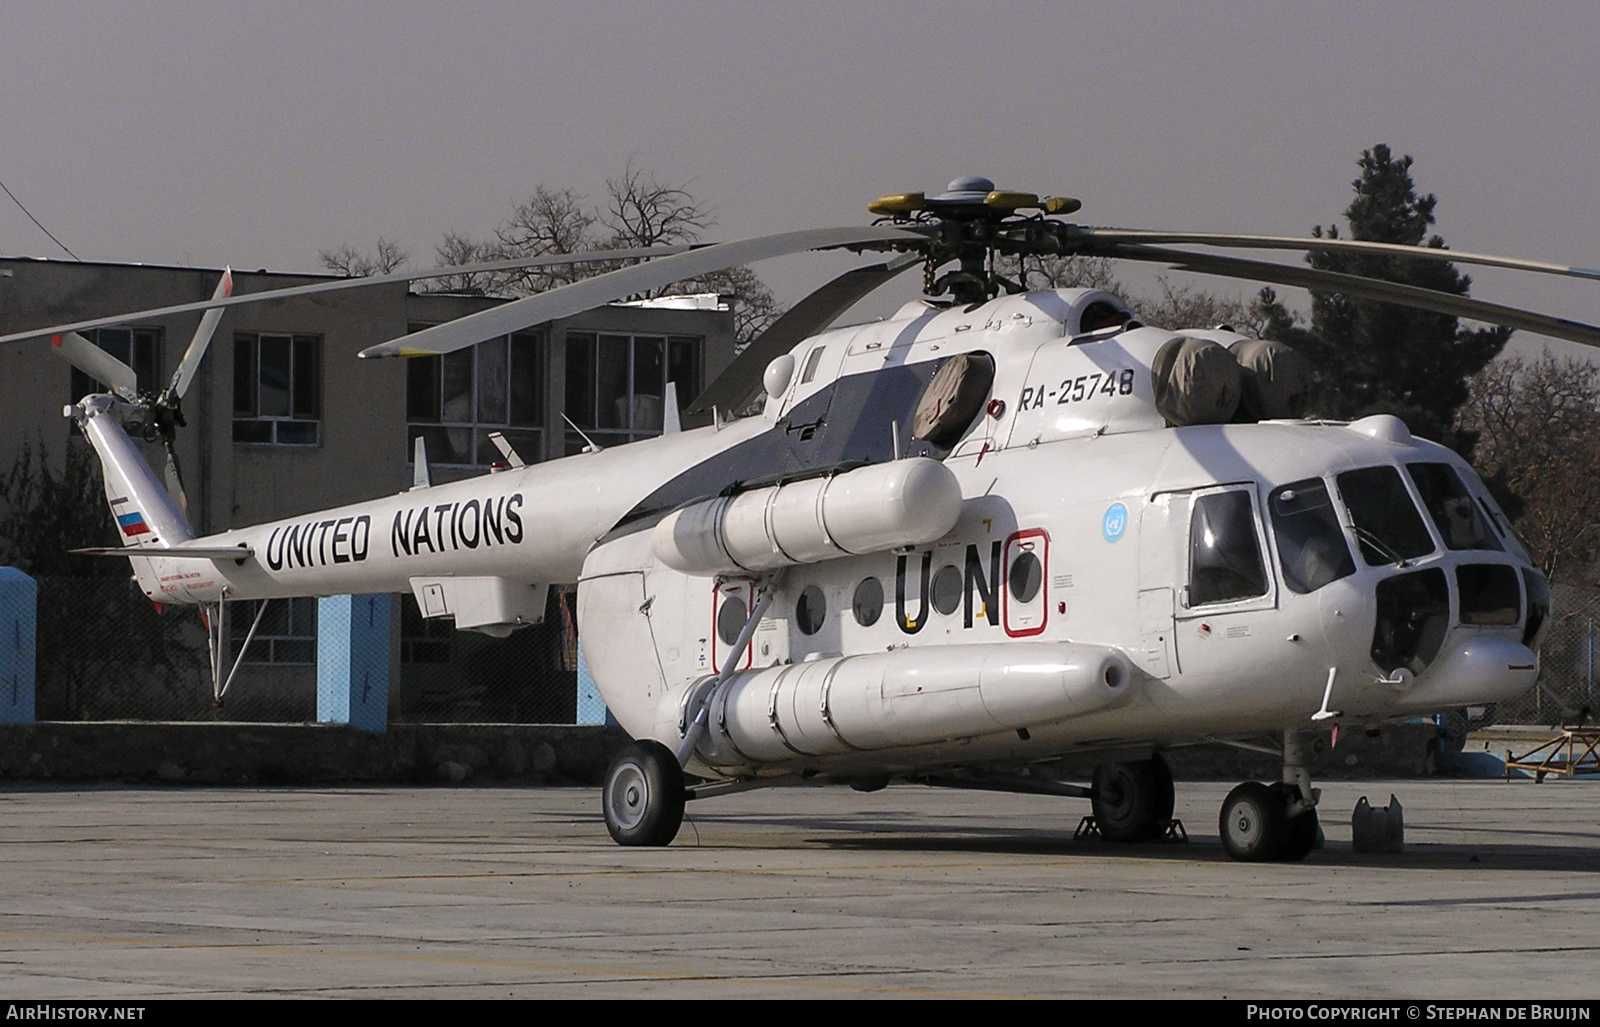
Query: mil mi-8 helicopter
x,y
1003,539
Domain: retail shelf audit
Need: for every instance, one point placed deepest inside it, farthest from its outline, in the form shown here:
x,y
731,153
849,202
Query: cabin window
x,y
867,606
731,617
456,401
1311,544
1454,513
948,588
810,610
1224,552
1385,519
615,384
277,389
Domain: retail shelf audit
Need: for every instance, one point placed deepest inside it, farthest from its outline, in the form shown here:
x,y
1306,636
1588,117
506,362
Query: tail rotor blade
x,y
202,338
97,364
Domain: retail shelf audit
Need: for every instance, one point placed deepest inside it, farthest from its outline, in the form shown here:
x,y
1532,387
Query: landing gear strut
x,y
1273,823
644,795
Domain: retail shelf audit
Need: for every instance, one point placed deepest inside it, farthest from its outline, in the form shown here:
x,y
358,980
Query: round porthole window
x,y
731,618
1027,574
810,610
868,603
946,589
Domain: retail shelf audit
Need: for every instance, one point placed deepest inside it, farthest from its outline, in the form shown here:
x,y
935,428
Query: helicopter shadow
x,y
893,833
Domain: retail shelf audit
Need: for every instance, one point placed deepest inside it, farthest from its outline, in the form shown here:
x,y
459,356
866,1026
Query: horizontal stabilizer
x,y
239,553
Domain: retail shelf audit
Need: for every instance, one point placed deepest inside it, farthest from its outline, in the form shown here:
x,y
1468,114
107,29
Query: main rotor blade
x,y
338,284
197,346
629,281
1284,242
739,380
1365,289
97,364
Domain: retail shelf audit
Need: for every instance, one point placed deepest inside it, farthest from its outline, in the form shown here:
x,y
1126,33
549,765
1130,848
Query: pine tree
x,y
1377,357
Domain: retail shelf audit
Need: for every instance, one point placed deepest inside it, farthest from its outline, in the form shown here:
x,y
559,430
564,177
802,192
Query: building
x,y
284,419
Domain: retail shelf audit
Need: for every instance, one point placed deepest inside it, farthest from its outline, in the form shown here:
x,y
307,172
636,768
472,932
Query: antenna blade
x,y
202,338
420,478
1283,242
629,281
1366,289
339,284
97,364
671,420
507,450
739,380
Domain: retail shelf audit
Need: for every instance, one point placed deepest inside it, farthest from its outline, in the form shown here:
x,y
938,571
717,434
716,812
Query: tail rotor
x,y
162,415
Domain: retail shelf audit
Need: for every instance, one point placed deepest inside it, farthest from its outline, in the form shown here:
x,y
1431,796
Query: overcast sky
x,y
257,134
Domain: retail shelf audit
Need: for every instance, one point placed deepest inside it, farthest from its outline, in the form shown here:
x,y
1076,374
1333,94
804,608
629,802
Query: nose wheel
x,y
644,795
1277,822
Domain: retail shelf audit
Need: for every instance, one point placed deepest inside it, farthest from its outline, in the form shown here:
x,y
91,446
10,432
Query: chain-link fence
x,y
1566,685
106,653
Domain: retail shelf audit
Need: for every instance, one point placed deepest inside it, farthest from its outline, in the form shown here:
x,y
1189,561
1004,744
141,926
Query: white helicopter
x,y
1004,539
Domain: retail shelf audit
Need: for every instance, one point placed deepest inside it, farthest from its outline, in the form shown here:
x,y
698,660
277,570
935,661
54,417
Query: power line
x,y
35,220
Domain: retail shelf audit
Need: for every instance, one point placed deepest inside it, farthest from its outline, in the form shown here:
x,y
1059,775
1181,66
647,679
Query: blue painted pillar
x,y
353,661
19,619
591,708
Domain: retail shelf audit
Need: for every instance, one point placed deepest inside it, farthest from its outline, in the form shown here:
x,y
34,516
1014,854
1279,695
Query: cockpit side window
x,y
1224,553
1311,544
1451,506
1385,519
812,361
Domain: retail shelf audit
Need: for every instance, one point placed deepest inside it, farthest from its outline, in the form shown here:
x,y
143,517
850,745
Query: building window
x,y
287,635
277,389
456,401
615,383
139,348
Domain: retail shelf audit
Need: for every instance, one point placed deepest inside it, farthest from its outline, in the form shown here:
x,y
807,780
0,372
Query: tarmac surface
x,y
146,893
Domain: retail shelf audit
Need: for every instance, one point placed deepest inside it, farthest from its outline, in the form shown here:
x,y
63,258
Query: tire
x,y
1253,823
1302,837
1166,795
1300,831
1132,801
643,796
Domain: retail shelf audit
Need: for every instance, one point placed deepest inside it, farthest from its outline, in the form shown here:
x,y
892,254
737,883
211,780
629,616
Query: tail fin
x,y
146,515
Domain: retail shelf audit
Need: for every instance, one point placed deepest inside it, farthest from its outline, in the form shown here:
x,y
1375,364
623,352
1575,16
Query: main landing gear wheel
x,y
1254,823
643,795
1300,832
1132,801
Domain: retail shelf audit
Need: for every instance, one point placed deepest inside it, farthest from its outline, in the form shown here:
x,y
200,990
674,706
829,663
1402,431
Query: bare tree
x,y
1538,429
347,260
1184,306
641,210
1038,271
455,250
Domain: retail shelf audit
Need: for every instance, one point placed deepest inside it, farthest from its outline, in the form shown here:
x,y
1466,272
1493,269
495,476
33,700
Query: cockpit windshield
x,y
1451,506
1311,544
1385,519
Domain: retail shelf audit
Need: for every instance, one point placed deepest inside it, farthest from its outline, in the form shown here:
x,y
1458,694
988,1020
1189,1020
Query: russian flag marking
x,y
132,524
